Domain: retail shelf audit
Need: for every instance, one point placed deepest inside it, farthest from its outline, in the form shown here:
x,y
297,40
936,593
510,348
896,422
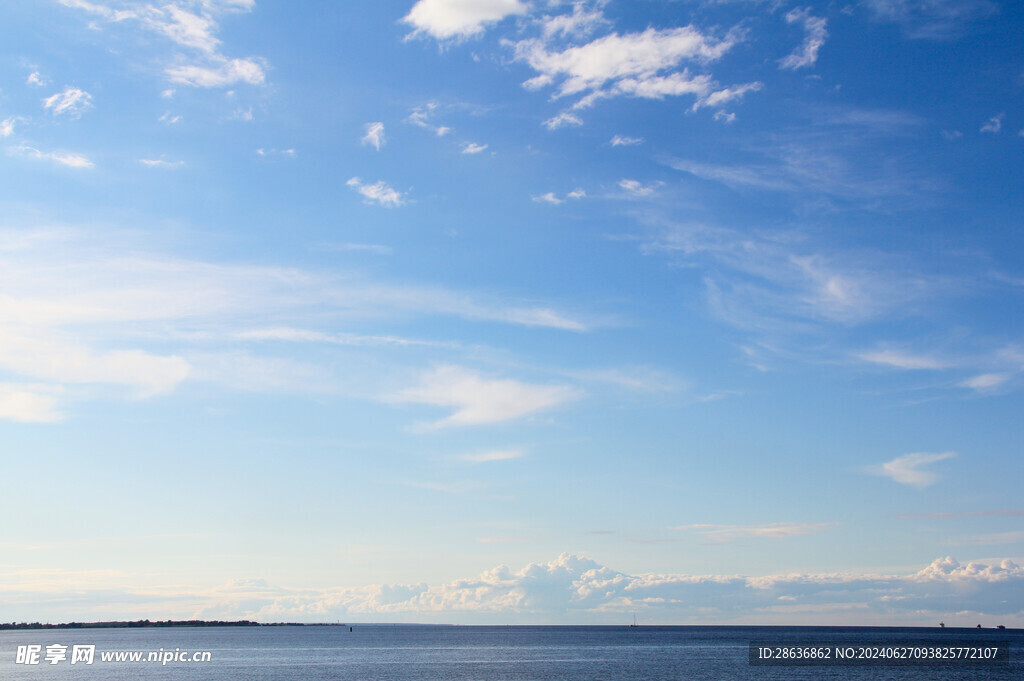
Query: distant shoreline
x,y
142,624
162,624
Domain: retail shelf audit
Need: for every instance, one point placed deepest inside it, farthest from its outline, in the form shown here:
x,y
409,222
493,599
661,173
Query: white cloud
x,y
187,29
562,120
190,25
735,176
227,72
769,283
379,192
7,126
551,198
727,94
724,117
567,590
624,141
373,135
496,455
807,53
421,117
472,148
81,310
828,161
36,79
72,102
548,198
459,19
88,279
983,382
160,163
25,404
994,124
581,22
951,135
63,158
728,533
479,400
633,64
168,119
639,189
902,360
637,378
613,57
379,249
932,19
288,153
906,469
294,335
42,357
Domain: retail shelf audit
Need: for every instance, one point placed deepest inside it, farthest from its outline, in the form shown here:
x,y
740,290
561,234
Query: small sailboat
x,y
634,624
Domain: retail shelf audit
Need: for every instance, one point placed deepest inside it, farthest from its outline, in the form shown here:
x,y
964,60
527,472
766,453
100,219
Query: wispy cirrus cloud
x,y
7,126
626,141
161,163
373,135
422,117
839,157
763,282
987,381
89,316
563,120
909,468
932,19
638,189
994,124
380,192
71,102
494,455
552,198
730,533
63,158
902,360
816,33
581,22
478,400
189,25
1012,512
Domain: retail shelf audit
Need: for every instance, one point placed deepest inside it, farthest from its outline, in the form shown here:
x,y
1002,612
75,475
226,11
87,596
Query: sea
x,y
383,652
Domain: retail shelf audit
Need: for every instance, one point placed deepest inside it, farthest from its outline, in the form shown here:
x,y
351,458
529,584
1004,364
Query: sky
x,y
512,311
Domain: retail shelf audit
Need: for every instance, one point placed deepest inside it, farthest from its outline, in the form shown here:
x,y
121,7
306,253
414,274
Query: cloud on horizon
x,y
568,589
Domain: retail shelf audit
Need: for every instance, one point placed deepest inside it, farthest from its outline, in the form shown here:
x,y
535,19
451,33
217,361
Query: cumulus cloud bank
x,y
573,588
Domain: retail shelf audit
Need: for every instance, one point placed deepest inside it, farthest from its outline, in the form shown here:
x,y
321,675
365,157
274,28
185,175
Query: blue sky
x,y
512,311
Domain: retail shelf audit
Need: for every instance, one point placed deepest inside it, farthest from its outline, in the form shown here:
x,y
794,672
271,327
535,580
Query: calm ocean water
x,y
443,653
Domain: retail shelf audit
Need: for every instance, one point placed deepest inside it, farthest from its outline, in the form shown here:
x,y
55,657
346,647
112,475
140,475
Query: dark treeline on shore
x,y
143,623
